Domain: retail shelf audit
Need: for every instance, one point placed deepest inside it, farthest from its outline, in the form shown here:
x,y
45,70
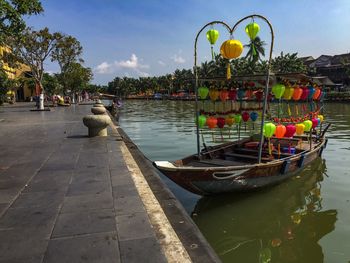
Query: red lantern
x,y
211,122
249,93
245,116
290,130
220,122
232,94
305,93
280,131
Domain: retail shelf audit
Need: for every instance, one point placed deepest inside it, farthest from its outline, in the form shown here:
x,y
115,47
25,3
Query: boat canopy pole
x,y
266,92
195,69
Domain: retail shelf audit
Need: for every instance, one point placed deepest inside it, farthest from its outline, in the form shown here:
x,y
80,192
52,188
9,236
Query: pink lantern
x,y
314,123
290,130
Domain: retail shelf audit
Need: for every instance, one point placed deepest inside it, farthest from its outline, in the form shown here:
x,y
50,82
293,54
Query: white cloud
x,y
161,63
132,64
178,59
104,68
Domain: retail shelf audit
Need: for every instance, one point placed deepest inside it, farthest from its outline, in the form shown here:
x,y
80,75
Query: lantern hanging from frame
x,y
212,36
230,49
252,31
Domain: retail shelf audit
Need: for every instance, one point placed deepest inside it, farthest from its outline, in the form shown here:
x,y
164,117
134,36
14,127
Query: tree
x,y
11,16
51,84
32,49
289,63
256,50
77,77
66,52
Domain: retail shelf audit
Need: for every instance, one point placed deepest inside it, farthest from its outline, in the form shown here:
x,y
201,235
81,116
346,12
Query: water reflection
x,y
281,224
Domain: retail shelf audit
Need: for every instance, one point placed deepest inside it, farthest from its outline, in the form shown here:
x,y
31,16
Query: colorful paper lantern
x,y
214,94
254,116
311,92
203,92
212,36
232,94
320,117
245,116
223,95
280,131
314,123
202,120
231,48
305,93
278,90
259,95
300,127
269,129
252,30
220,122
290,131
241,94
297,93
230,120
316,94
211,122
238,118
308,125
288,93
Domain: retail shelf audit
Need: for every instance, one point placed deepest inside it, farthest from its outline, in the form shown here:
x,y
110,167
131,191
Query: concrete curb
x,y
192,239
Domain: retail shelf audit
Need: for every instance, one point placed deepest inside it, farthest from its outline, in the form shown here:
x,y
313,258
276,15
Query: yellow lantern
x,y
231,48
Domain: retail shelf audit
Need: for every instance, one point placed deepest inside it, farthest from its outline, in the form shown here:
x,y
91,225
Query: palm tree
x,y
256,50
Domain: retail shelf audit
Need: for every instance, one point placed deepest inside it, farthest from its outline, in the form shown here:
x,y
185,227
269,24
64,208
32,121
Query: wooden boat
x,y
233,167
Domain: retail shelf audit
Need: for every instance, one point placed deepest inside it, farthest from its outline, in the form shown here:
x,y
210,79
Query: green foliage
x,y
33,48
51,84
256,50
76,77
288,63
11,16
3,85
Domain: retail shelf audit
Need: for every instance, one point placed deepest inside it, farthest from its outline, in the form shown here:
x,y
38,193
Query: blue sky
x,y
152,38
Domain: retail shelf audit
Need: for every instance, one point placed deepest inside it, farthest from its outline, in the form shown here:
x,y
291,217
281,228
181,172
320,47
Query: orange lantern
x,y
230,120
223,95
297,93
211,122
280,130
316,94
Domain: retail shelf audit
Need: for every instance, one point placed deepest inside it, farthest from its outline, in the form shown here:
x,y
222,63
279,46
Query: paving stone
x,y
124,190
127,205
87,202
8,195
97,248
49,183
20,244
133,226
3,206
28,217
141,250
121,179
89,187
39,199
28,259
88,222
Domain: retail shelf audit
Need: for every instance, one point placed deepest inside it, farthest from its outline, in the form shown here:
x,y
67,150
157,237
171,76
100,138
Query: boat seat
x,y
246,156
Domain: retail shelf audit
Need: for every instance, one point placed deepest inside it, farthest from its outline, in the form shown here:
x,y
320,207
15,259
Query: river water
x,y
305,219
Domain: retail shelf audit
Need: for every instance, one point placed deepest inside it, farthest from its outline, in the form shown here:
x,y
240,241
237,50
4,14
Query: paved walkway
x,y
68,198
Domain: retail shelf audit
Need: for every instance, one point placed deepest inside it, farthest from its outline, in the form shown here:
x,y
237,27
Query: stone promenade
x,y
65,197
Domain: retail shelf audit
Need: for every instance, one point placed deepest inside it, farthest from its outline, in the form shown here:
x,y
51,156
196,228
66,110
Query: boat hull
x,y
218,180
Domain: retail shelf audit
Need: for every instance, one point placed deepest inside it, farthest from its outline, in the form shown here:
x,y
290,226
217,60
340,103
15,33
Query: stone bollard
x,y
98,110
97,124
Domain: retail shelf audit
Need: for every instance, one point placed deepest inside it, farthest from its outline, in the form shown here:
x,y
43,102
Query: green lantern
x,y
203,92
278,90
202,120
308,125
269,129
238,118
212,36
252,30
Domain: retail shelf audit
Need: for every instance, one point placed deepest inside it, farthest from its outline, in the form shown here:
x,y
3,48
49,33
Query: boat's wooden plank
x,y
253,151
246,156
220,162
